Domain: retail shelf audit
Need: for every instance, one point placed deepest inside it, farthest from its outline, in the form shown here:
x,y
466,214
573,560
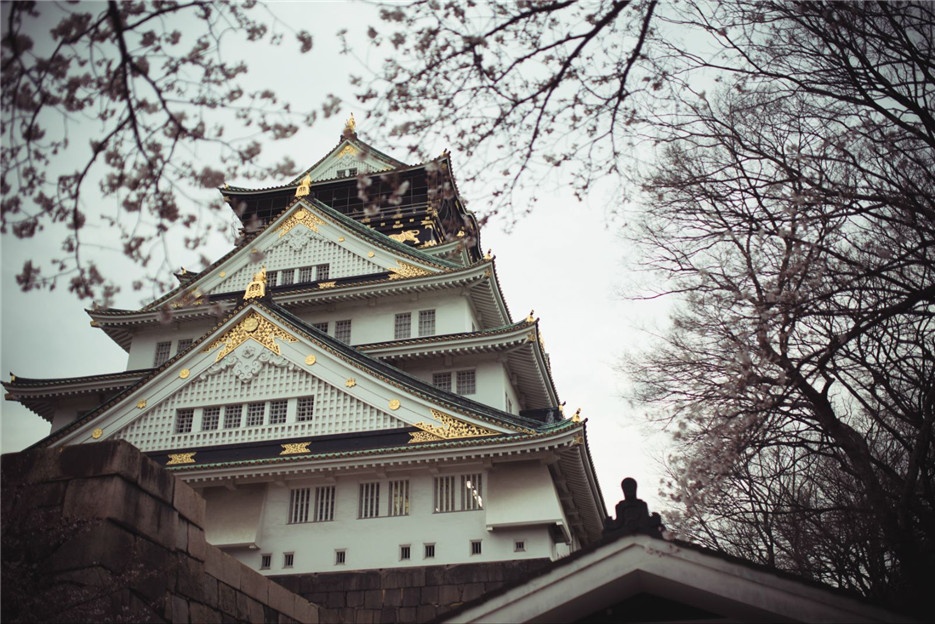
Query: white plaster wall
x,y
375,542
492,383
143,348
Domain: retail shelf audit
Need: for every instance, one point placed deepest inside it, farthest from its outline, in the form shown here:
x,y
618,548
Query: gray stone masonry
x,y
99,532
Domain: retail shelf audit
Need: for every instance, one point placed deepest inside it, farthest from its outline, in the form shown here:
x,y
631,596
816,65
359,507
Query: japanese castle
x,y
346,388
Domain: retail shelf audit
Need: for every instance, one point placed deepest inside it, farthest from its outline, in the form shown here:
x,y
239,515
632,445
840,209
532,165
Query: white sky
x,y
562,261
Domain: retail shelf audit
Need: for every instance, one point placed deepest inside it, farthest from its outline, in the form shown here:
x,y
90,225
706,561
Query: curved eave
x,y
579,490
42,395
454,251
120,325
519,343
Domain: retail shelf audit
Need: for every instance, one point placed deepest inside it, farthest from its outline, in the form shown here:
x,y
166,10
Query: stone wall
x,y
403,595
99,532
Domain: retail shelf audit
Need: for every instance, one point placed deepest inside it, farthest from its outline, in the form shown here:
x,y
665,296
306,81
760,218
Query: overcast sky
x,y
564,261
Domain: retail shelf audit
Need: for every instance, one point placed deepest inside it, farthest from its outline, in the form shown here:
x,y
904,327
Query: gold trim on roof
x,y
300,217
349,150
181,458
253,327
404,270
305,187
295,448
256,289
451,429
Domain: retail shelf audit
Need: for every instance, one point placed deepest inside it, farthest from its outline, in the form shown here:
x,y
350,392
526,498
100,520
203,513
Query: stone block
x,y
436,575
254,584
227,601
412,577
354,598
336,599
100,543
392,597
181,535
449,595
180,613
189,504
407,614
197,544
373,599
388,615
223,567
204,614
100,459
430,595
209,588
470,591
190,579
157,481
426,613
411,596
254,610
104,497
153,518
280,598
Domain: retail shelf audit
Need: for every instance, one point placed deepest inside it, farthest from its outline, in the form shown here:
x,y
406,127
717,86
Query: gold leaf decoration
x,y
296,448
350,383
310,359
450,429
253,327
180,458
141,404
300,217
184,373
394,404
97,433
404,270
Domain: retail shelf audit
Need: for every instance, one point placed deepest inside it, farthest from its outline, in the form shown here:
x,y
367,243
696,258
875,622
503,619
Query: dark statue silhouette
x,y
633,514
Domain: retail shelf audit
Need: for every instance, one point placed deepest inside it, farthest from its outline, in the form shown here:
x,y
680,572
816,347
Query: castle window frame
x,y
233,415
256,414
322,271
476,547
184,345
211,418
428,551
288,559
369,500
287,277
398,498
266,560
305,409
184,418
426,322
278,411
342,331
340,556
442,381
306,274
405,552
324,504
163,351
402,326
466,381
299,503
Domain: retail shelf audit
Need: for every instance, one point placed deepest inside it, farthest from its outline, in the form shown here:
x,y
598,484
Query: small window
x,y
340,556
402,326
429,551
210,418
288,559
277,412
184,419
322,327
475,547
163,349
266,560
287,277
232,416
298,505
272,278
324,504
405,552
399,498
342,173
307,274
342,331
184,345
519,546
322,271
466,383
352,172
427,322
442,381
255,414
305,409
369,500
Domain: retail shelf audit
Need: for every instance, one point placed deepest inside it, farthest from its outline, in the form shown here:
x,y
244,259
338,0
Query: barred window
x,y
399,498
307,274
405,551
184,345
369,501
322,271
255,414
184,419
342,331
324,503
287,277
210,418
402,326
163,349
298,505
305,409
459,492
429,551
277,412
426,322
322,327
288,559
266,560
232,416
475,547
442,381
466,383
340,556
272,278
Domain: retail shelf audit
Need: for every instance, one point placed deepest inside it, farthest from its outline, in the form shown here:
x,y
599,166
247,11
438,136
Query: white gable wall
x,y
143,347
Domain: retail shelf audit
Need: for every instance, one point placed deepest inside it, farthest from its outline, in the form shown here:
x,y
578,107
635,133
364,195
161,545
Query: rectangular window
x,y
475,547
402,326
519,546
162,353
459,492
298,505
272,278
442,381
266,561
306,274
352,172
471,492
232,415
184,419
277,412
466,383
405,551
340,556
399,498
322,271
426,322
324,504
322,327
210,418
342,331
287,277
288,559
255,414
369,503
429,551
184,345
305,409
